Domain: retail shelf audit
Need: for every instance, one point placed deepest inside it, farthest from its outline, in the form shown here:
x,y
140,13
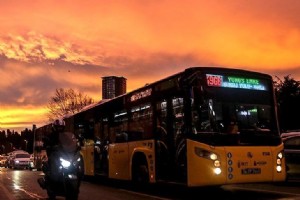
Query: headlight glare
x,y
217,170
278,168
65,163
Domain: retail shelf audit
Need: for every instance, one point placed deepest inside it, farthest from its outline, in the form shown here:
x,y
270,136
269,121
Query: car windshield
x,y
22,155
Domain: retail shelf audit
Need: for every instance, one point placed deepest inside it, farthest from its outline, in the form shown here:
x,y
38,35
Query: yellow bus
x,y
204,126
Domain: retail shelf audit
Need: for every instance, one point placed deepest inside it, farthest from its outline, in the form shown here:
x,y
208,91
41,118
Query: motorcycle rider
x,y
58,140
64,168
51,143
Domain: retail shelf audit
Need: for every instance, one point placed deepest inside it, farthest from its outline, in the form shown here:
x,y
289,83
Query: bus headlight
x,y
210,156
217,170
205,154
213,156
217,163
278,168
279,162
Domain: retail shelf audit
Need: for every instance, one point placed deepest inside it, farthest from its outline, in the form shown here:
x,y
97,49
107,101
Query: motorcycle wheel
x,y
72,190
70,196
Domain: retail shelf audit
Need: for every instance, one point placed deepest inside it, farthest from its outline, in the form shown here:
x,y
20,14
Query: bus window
x,y
105,128
178,113
141,122
202,115
119,124
208,117
233,127
254,117
121,137
161,120
88,129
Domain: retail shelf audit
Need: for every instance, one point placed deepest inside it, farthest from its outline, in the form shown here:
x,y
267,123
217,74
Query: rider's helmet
x,y
58,125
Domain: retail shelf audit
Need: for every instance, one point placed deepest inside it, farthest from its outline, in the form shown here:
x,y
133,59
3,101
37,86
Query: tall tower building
x,y
113,86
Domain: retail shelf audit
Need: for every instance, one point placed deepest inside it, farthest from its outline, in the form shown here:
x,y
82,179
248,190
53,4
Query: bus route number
x,y
214,80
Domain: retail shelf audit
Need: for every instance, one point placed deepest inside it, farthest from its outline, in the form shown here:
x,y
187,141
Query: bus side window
x,y
112,137
121,137
161,124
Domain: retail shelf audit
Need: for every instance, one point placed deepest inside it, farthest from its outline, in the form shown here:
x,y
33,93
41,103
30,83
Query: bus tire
x,y
140,172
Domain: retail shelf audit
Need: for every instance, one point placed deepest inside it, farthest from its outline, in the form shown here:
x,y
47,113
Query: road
x,y
22,185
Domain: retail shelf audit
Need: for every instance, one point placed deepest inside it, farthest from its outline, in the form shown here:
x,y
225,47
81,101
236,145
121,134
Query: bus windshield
x,y
234,116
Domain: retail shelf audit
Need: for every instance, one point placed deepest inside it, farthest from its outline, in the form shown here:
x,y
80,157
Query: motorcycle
x,y
63,171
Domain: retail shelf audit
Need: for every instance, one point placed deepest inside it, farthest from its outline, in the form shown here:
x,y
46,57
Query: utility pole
x,y
33,146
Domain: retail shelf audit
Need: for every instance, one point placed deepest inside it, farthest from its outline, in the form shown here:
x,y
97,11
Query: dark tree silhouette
x,y
66,101
288,99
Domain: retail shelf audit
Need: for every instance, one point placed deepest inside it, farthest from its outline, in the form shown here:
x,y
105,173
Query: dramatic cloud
x,y
45,45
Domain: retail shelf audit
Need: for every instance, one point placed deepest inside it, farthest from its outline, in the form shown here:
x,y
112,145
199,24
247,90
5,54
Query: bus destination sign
x,y
142,94
235,82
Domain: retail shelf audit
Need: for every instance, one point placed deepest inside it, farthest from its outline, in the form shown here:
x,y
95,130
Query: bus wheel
x,y
140,173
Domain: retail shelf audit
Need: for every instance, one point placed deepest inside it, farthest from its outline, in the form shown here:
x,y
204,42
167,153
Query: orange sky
x,y
49,44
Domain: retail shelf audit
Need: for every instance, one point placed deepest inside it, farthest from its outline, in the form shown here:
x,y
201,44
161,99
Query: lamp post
x,y
11,146
33,146
26,142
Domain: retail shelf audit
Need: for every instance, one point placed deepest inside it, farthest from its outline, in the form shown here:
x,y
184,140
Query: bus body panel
x,y
145,147
121,158
239,164
119,161
252,164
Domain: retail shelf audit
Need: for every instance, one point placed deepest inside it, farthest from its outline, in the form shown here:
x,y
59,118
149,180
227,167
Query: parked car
x,y
290,133
19,159
3,160
291,142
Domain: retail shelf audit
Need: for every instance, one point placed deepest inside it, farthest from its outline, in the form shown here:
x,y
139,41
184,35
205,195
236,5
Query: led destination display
x,y
235,82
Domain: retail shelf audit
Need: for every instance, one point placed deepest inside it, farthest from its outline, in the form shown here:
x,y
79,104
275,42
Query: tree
x,y
65,102
288,98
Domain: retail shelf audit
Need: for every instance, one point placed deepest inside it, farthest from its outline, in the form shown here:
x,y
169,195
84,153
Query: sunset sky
x,y
47,44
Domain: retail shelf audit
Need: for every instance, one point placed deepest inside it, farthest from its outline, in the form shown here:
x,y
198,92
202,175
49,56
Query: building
x,y
113,86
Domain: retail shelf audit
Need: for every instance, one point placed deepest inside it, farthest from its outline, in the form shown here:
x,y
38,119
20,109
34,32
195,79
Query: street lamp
x,y
33,145
25,144
11,146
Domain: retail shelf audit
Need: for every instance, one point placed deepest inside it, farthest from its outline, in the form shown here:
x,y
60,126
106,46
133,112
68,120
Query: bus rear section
x,y
209,165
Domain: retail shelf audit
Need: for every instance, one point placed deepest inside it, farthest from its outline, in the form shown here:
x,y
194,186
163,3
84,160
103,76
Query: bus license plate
x,y
251,171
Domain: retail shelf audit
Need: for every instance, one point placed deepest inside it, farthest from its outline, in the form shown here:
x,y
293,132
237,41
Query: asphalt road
x,y
22,185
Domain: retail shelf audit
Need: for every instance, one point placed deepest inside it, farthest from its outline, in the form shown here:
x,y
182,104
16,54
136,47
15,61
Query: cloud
x,y
48,44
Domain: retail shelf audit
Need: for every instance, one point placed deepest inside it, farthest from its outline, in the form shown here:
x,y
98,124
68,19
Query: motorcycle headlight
x,y
64,163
